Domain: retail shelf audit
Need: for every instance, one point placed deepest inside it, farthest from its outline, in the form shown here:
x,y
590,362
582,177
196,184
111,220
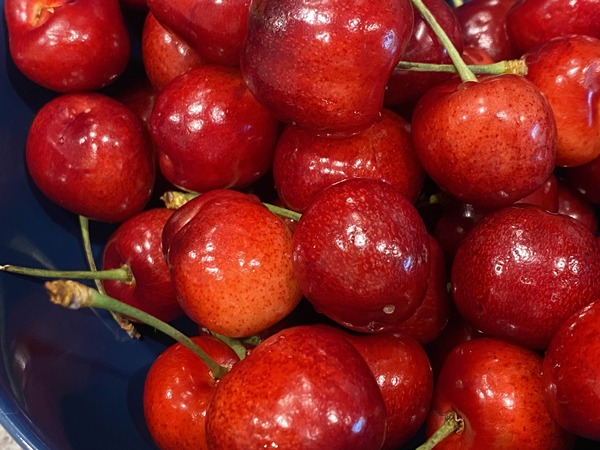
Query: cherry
x,y
310,64
303,387
522,271
483,25
137,243
177,391
210,131
570,373
567,72
305,163
488,143
361,255
573,204
68,46
496,389
585,180
232,267
532,22
91,155
215,29
164,54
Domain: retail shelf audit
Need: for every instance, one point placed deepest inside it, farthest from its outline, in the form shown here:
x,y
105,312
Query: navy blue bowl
x,y
68,379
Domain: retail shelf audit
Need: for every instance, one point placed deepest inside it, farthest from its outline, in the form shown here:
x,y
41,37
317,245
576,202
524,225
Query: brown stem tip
x,y
69,294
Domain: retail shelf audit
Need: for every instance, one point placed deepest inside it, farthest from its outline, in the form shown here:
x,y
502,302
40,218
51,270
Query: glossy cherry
x,y
522,271
305,163
65,45
91,155
361,255
310,63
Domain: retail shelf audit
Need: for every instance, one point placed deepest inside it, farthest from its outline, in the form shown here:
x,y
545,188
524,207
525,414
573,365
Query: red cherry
x,y
177,391
305,163
571,373
310,64
210,131
361,255
488,143
68,46
303,387
91,155
522,271
573,204
137,243
496,388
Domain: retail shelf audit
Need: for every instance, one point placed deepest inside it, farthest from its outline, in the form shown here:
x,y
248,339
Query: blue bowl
x,y
68,379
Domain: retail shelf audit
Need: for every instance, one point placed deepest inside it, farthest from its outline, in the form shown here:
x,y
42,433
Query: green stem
x,y
463,71
283,212
457,3
452,424
122,273
515,66
124,324
73,295
234,344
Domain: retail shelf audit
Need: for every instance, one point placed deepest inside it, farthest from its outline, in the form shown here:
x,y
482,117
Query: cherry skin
x,y
303,387
570,373
232,267
91,155
532,22
177,392
573,204
210,131
361,255
522,271
431,317
215,29
496,388
566,71
483,25
324,65
305,163
164,54
68,46
488,143
137,243
585,180
423,46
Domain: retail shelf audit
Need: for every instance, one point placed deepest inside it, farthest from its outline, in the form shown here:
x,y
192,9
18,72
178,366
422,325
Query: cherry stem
x,y
122,273
457,3
74,295
514,66
176,199
463,70
452,424
124,324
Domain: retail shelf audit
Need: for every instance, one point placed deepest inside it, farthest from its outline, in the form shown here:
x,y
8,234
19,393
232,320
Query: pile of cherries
x,y
379,244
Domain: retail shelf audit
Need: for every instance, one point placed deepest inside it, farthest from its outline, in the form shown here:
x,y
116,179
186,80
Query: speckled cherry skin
x,y
403,373
566,70
303,387
423,46
522,271
571,373
324,65
213,28
177,391
488,143
210,131
91,155
68,46
164,54
361,255
532,22
137,243
431,317
305,162
483,25
496,388
232,267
